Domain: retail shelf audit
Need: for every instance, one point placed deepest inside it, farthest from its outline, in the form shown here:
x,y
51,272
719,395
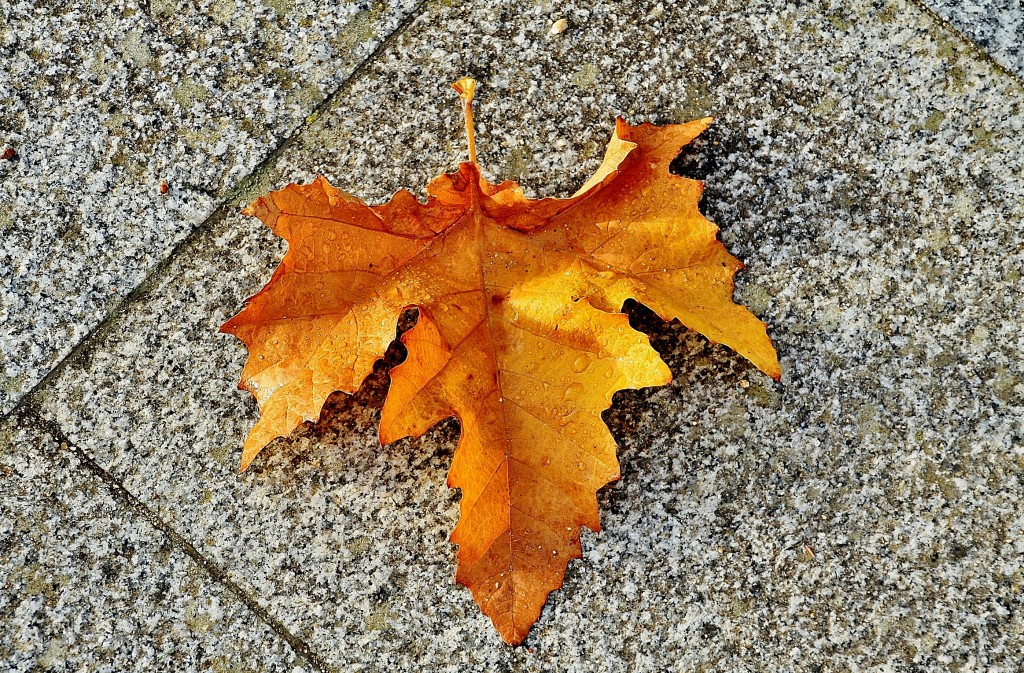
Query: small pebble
x,y
559,26
8,154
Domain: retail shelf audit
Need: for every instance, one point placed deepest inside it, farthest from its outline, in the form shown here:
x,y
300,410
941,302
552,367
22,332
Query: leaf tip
x,y
768,360
515,637
254,443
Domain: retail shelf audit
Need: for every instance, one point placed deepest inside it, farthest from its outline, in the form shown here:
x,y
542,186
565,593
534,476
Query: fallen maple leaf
x,y
519,335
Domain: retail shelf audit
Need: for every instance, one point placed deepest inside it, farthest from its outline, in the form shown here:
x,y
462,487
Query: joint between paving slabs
x,y
240,195
972,45
29,416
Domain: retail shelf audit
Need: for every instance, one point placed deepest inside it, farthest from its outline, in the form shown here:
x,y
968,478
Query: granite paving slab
x,y
863,514
326,539
121,125
996,25
86,585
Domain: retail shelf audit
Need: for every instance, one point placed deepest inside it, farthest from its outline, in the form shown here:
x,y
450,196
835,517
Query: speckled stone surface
x,y
86,585
996,25
865,514
104,101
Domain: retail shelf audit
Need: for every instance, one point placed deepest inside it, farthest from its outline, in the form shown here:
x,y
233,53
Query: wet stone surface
x,y
997,26
86,584
863,514
123,123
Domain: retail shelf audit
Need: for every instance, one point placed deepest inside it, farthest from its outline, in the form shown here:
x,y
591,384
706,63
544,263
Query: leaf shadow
x,y
339,437
696,364
340,441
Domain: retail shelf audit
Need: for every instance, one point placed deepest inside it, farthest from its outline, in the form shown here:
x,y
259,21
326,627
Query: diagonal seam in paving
x,y
26,408
239,195
948,26
29,415
28,402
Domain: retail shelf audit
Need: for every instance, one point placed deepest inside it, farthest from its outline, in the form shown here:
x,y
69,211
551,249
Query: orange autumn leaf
x,y
519,335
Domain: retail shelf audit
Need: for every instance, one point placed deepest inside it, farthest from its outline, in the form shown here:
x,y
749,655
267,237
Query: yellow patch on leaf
x,y
519,335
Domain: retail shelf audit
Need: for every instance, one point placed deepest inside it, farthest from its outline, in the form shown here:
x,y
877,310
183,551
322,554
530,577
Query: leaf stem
x,y
466,87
